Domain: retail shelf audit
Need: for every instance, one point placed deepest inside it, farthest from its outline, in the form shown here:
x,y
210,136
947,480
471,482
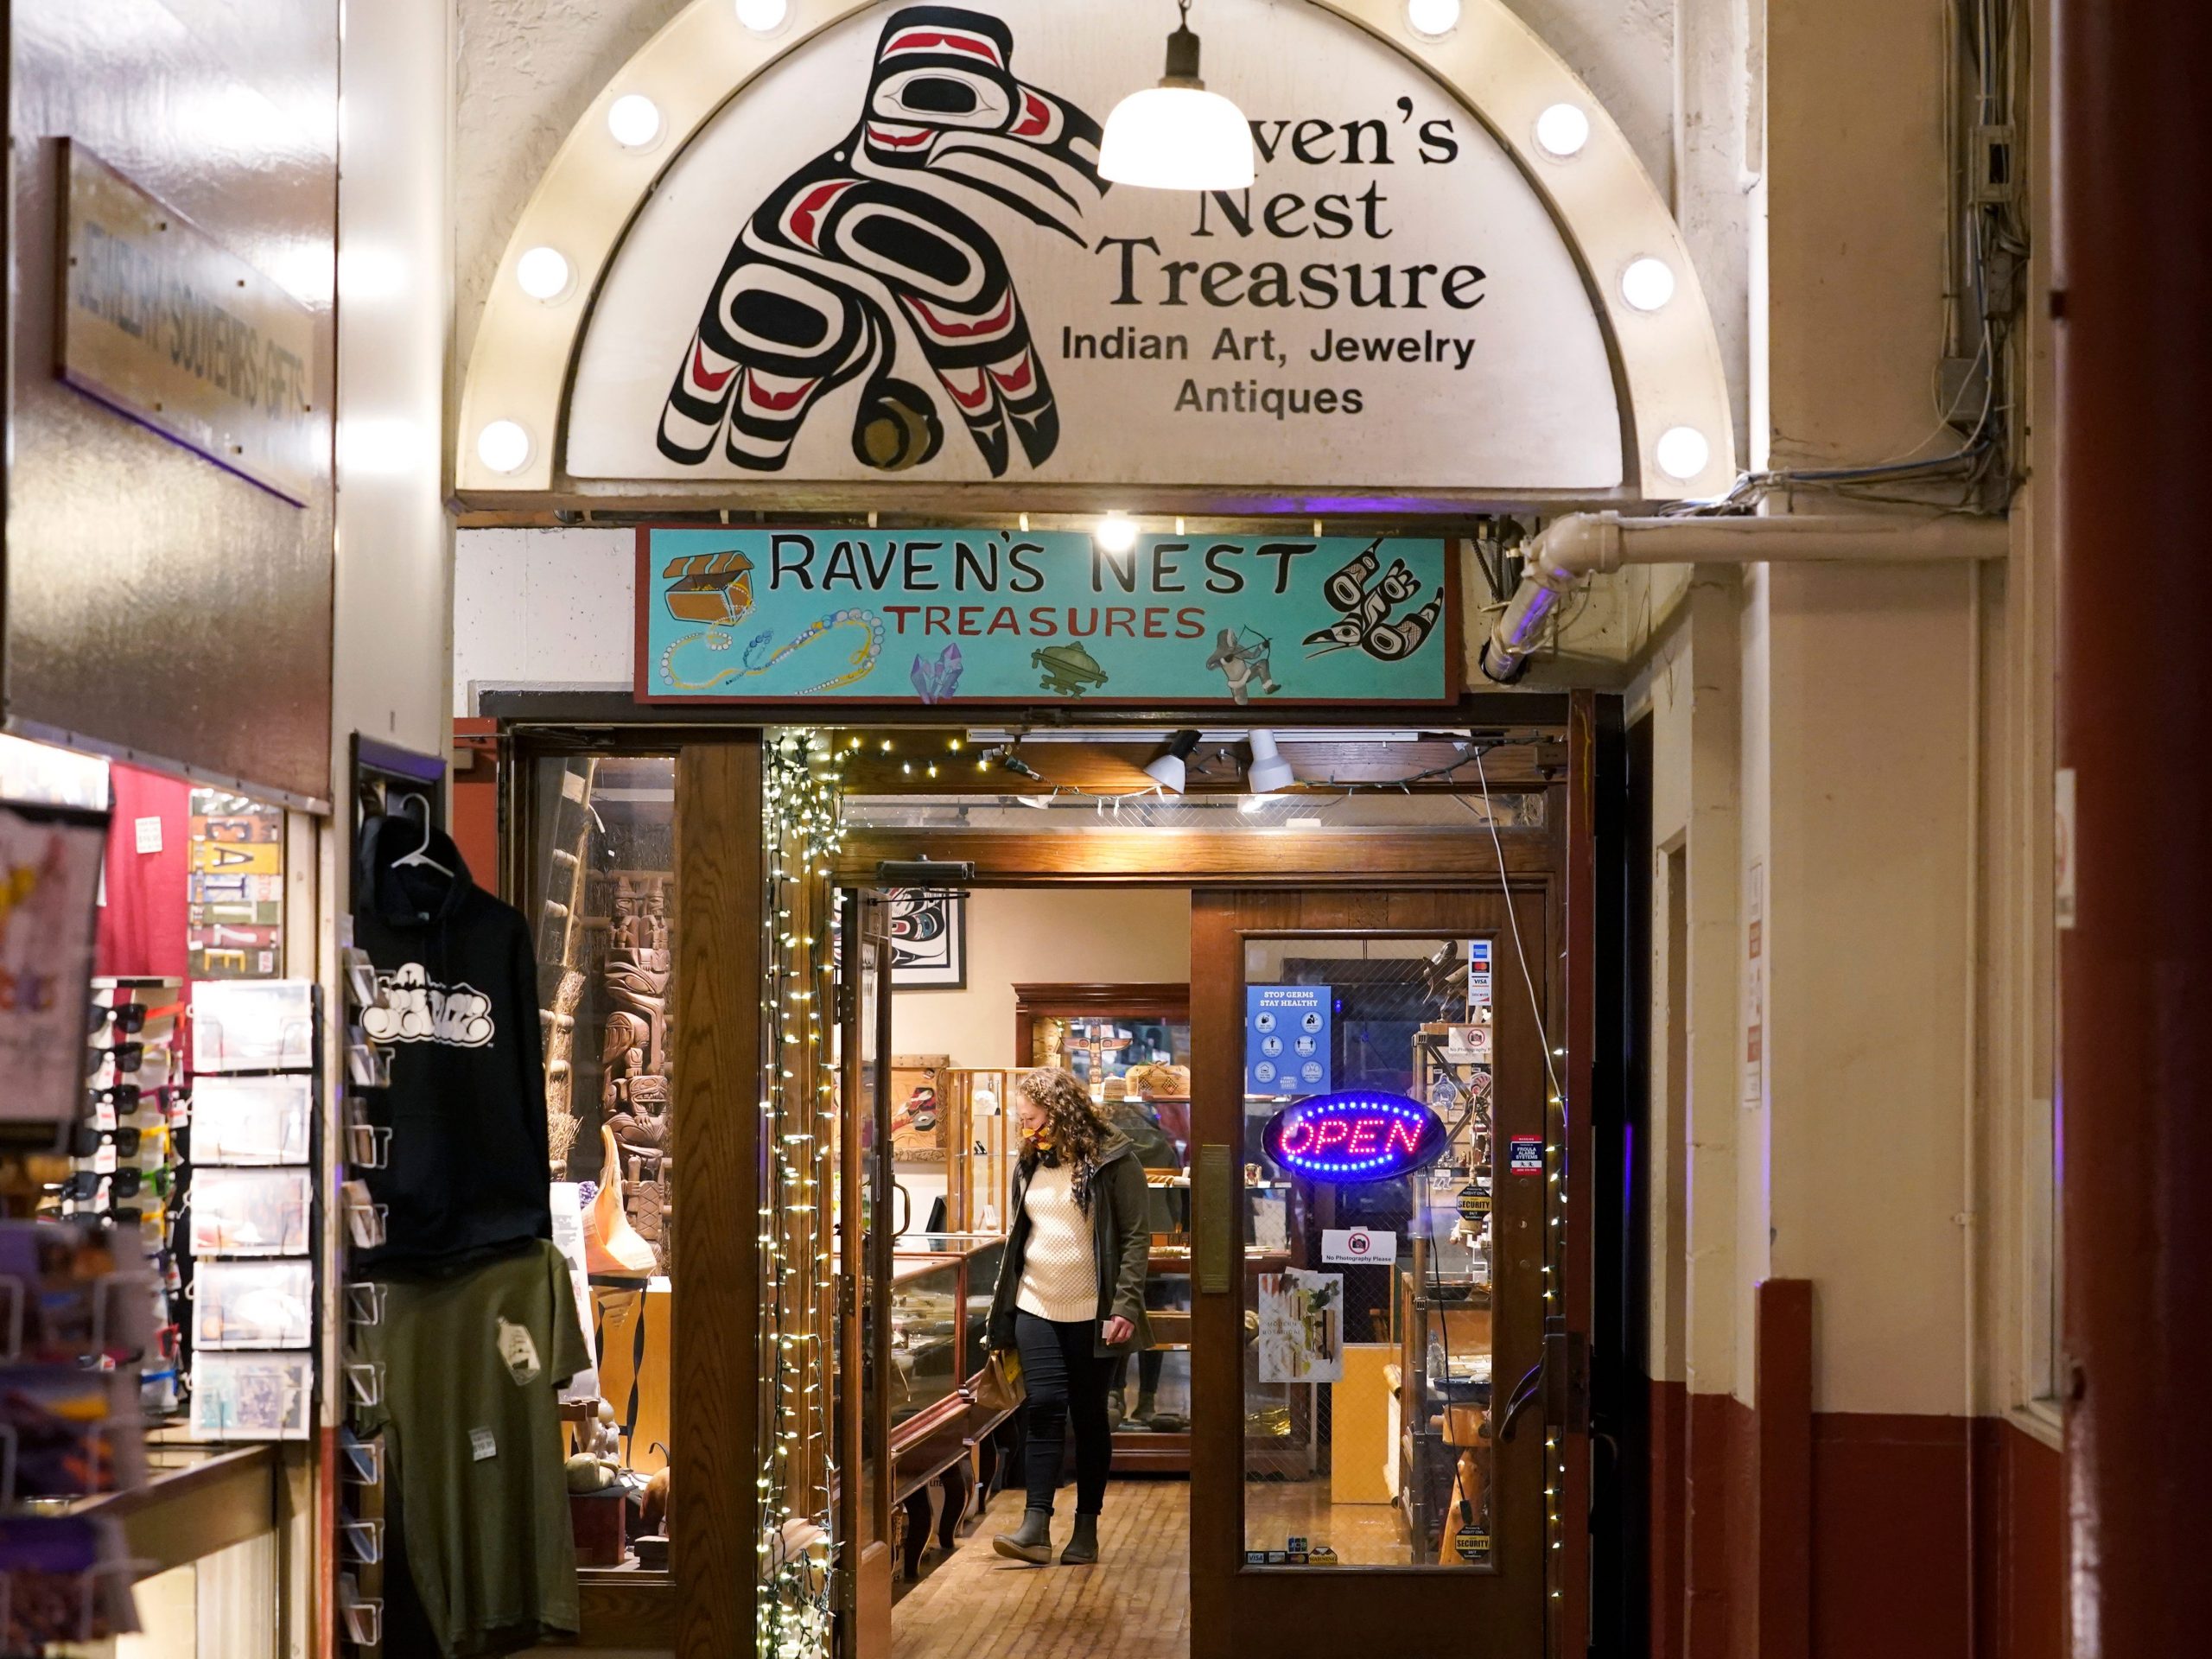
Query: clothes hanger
x,y
421,855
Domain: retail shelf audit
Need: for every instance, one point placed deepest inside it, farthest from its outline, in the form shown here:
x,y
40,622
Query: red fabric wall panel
x,y
142,924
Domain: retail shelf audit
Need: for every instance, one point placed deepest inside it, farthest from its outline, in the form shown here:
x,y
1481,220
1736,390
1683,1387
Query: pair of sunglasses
x,y
84,1185
86,1142
127,1018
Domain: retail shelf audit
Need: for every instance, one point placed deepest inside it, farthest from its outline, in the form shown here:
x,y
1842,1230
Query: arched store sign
x,y
871,253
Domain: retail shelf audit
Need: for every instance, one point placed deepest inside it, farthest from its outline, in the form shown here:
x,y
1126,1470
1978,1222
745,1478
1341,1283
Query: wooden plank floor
x,y
1135,1603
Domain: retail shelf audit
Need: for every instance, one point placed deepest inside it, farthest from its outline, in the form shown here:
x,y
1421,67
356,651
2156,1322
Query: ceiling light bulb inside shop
x,y
1648,283
503,446
763,17
1268,771
1682,452
1169,769
1178,136
1433,19
634,120
543,273
1116,533
1562,130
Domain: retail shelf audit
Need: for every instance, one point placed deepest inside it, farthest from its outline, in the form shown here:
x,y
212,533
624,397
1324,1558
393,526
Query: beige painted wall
x,y
1043,935
1872,845
1690,691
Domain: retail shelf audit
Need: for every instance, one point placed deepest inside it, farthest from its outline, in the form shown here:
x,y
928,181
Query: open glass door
x,y
866,1227
1371,1211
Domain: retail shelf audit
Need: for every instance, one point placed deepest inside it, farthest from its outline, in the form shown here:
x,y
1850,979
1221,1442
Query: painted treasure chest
x,y
709,587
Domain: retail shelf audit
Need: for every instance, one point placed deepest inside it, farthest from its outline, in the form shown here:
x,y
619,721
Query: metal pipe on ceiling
x,y
1585,544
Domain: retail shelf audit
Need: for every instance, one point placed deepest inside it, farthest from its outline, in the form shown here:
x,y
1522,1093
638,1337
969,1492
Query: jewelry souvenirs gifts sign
x,y
948,616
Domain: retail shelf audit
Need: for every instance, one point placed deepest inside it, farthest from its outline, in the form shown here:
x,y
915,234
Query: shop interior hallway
x,y
1135,1603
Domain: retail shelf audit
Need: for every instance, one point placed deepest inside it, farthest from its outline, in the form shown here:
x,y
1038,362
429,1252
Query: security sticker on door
x,y
1524,1155
1354,1246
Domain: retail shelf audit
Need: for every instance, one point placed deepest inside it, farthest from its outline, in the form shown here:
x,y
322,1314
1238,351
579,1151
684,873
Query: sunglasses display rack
x,y
250,1216
362,1493
125,1164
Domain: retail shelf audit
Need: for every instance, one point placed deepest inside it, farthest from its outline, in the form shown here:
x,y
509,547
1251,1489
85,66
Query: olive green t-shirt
x,y
474,1360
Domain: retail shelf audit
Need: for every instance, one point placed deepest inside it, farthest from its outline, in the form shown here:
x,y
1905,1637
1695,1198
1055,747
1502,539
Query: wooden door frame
x,y
715,1278
705,1606
1216,977
861,1640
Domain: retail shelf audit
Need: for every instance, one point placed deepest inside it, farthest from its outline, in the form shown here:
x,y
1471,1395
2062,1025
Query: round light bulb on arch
x,y
1116,533
504,445
1682,453
634,120
1562,130
543,273
763,17
1648,283
1433,19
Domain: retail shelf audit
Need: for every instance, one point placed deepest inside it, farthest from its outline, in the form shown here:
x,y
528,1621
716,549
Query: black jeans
x,y
1064,1379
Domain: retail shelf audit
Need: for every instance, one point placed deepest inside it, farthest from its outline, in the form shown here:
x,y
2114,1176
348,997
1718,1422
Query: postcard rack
x,y
366,1146
252,1211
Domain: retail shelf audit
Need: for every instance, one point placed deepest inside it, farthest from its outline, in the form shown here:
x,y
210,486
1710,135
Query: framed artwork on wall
x,y
929,939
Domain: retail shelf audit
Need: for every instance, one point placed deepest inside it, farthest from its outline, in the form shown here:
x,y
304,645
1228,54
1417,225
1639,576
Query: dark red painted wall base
x,y
1906,1560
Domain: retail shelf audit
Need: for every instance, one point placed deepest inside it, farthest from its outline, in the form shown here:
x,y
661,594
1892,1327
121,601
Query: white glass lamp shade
x,y
1648,283
1268,771
1562,130
504,445
1170,770
1682,453
1177,138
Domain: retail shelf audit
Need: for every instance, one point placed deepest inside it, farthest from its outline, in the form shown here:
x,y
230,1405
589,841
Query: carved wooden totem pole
x,y
634,1092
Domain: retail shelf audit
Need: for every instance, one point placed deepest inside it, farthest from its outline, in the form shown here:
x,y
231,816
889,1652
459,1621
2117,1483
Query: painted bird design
x,y
874,228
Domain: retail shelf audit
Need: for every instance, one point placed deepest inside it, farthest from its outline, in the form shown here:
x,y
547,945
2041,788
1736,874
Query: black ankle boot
x,y
1082,1548
1031,1541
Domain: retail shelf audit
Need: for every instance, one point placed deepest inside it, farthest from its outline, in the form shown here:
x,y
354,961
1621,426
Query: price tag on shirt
x,y
149,832
482,1445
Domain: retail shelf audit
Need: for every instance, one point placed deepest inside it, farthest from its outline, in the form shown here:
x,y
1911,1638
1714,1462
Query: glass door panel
x,y
1368,1280
1366,1388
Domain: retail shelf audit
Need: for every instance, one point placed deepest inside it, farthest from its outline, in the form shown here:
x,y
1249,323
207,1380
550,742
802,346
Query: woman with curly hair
x,y
1070,1299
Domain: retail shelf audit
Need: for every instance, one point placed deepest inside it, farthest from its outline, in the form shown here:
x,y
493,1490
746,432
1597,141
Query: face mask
x,y
1038,1140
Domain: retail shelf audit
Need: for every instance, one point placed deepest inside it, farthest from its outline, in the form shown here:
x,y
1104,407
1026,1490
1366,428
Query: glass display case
x,y
939,1315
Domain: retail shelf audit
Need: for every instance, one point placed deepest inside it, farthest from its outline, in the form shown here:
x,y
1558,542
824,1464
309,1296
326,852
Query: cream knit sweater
x,y
1060,1271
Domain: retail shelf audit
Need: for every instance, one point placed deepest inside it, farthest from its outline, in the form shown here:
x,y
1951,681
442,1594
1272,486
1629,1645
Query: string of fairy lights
x,y
801,830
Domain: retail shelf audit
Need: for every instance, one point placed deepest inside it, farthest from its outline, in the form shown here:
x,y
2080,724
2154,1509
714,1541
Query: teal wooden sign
x,y
967,616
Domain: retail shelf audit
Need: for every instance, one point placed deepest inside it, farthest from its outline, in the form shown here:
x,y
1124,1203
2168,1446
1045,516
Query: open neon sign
x,y
1358,1136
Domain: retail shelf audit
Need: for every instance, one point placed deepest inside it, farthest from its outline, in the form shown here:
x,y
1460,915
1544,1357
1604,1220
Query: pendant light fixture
x,y
1270,773
1168,769
1178,136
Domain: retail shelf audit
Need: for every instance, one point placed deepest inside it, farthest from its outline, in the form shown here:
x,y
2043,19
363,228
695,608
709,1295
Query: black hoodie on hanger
x,y
467,1175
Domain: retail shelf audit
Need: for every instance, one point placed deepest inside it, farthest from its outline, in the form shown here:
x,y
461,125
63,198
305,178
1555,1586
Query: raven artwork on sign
x,y
805,299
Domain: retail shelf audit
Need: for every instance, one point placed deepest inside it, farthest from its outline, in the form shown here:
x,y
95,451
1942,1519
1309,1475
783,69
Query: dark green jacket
x,y
1120,1244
